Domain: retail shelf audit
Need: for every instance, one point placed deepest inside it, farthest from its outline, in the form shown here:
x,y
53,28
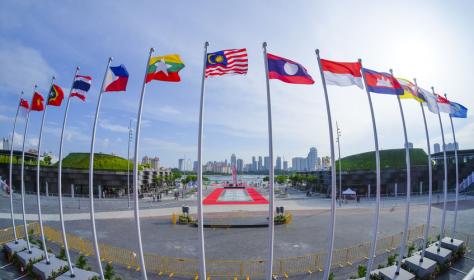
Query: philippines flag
x,y
342,73
81,86
116,79
379,82
287,71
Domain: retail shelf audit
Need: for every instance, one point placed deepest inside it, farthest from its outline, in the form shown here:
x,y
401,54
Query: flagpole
x,y
10,175
445,182
332,223
38,185
373,244
453,233
22,174
60,170
202,249
271,213
128,162
91,175
408,188
135,172
430,182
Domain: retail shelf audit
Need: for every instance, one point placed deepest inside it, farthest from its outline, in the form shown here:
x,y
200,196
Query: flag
x,y
24,103
227,62
287,71
37,102
81,85
56,95
430,99
342,73
458,111
409,90
444,104
164,68
116,79
379,82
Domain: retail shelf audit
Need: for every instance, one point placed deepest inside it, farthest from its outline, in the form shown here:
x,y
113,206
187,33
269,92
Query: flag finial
x,y
206,44
78,68
110,59
152,49
264,44
317,51
360,60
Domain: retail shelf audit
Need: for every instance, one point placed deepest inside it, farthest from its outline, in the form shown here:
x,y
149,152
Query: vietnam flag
x,y
37,102
164,68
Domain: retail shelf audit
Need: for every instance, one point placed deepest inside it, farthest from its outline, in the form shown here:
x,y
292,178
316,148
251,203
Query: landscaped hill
x,y
101,162
394,158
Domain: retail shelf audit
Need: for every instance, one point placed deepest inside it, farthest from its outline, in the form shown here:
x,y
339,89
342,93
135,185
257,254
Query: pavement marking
x,y
5,265
457,270
23,276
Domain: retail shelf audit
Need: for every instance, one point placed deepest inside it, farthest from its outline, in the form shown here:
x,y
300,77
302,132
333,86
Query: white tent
x,y
349,191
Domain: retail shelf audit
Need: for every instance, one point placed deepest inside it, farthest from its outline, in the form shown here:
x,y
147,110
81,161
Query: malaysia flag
x,y
116,79
81,86
287,71
380,82
342,73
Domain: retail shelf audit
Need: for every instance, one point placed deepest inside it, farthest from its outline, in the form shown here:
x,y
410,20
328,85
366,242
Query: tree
x,y
281,179
266,179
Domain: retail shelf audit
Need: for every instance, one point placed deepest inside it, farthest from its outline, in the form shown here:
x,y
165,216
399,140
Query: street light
x,y
128,161
338,131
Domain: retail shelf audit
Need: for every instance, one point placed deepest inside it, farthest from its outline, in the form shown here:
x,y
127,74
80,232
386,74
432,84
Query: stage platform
x,y
234,196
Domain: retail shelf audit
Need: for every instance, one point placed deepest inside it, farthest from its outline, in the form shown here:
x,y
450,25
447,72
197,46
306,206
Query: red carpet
x,y
257,198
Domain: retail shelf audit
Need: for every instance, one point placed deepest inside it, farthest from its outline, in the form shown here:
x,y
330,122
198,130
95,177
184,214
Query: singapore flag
x,y
342,73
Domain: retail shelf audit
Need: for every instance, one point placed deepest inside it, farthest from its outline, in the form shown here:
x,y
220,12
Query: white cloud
x,y
169,110
106,124
22,67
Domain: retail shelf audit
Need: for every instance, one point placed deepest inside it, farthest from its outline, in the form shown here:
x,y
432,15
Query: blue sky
x,y
429,40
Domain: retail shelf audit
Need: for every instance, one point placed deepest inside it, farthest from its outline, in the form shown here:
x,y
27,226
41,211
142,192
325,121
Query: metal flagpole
x,y
445,183
202,252
22,174
408,189
430,182
373,244
135,172
38,184
91,175
332,225
453,232
128,161
271,213
10,175
60,170
338,131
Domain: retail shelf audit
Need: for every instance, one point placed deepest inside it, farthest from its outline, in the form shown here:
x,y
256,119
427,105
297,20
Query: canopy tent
x,y
349,191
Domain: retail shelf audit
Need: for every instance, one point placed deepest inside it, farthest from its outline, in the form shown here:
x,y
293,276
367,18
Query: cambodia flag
x,y
116,79
379,82
287,71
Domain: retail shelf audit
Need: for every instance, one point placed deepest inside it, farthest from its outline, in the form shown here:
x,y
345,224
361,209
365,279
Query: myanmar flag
x,y
164,68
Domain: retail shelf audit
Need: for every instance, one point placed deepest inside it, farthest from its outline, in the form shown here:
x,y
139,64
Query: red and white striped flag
x,y
227,62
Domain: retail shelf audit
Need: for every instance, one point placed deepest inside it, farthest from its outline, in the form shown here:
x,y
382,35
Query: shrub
x,y
361,271
391,260
82,263
411,250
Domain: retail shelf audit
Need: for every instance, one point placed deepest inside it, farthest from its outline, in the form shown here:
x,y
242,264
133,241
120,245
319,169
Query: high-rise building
x,y
450,146
233,160
247,167
5,144
155,163
260,164
266,163
181,164
312,159
437,148
299,164
195,166
285,165
278,163
326,162
146,160
254,164
240,165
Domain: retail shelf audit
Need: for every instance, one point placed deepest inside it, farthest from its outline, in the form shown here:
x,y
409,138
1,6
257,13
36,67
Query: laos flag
x,y
380,82
287,71
116,79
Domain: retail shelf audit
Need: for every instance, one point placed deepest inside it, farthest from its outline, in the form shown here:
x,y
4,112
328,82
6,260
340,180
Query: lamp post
x,y
338,131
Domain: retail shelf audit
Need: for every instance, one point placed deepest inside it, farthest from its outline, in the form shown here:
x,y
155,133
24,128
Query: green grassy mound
x,y
394,158
101,162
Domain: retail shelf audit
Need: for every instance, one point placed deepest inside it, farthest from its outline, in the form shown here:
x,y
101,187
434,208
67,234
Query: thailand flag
x,y
81,86
116,79
287,71
379,82
342,73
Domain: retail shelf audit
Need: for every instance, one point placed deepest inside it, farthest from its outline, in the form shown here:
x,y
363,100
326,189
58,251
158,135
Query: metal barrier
x,y
242,269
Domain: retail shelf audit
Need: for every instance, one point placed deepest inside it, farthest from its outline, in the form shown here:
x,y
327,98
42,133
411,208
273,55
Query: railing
x,y
185,267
